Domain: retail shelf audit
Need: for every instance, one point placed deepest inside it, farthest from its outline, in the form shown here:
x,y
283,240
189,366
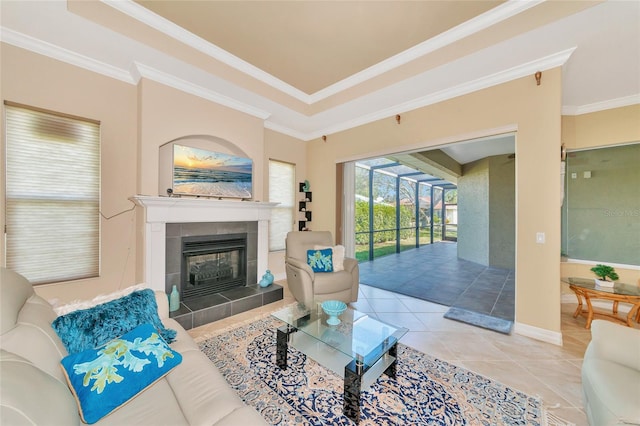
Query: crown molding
x,y
139,70
44,48
541,64
147,17
285,130
601,106
504,11
161,77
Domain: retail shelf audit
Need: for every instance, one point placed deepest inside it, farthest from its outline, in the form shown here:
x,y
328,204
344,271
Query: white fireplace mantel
x,y
162,210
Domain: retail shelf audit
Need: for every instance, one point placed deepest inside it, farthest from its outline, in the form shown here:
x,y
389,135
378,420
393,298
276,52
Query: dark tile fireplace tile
x,y
246,304
184,316
203,302
271,294
214,307
211,314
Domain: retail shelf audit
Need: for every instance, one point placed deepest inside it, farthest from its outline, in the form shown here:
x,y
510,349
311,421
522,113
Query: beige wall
x,y
135,121
535,112
291,150
610,127
38,81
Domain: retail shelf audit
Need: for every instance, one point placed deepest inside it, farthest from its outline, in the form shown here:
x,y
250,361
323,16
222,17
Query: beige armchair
x,y
306,285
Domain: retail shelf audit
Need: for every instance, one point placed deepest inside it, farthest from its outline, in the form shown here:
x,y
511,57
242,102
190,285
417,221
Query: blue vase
x,y
267,279
174,300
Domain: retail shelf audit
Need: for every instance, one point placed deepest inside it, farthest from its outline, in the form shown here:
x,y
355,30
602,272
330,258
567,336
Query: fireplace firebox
x,y
212,264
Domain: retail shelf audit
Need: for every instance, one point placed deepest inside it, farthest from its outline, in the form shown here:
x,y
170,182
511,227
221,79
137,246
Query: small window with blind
x,y
281,190
52,195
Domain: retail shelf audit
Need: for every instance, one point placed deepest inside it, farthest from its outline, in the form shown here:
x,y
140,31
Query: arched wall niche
x,y
209,142
204,142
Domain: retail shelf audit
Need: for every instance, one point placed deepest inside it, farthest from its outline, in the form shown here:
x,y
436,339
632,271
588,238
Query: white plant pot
x,y
601,283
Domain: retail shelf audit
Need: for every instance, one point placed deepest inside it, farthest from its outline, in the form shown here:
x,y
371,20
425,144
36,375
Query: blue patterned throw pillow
x,y
90,328
106,378
320,260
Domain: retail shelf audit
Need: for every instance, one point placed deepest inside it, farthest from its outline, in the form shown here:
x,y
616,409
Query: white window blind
x,y
52,195
281,190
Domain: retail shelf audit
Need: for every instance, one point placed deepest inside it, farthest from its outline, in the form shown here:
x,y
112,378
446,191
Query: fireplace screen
x,y
212,264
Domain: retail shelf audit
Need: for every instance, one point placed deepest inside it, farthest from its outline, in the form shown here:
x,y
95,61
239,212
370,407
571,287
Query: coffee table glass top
x,y
618,288
358,335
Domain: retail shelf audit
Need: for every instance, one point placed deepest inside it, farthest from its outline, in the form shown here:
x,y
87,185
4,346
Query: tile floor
x,y
434,272
534,367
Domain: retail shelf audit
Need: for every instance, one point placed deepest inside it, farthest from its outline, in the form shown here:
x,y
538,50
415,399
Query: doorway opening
x,y
439,224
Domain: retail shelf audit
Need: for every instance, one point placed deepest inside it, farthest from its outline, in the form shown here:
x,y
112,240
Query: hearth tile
x,y
186,320
246,303
197,304
271,294
214,313
182,310
240,292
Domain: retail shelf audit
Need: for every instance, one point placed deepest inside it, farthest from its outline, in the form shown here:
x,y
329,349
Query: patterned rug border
x,y
547,418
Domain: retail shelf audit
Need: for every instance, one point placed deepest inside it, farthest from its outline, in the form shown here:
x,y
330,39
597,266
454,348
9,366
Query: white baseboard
x,y
538,333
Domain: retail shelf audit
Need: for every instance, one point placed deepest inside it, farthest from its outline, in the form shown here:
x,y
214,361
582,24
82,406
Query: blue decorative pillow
x,y
320,260
106,378
91,328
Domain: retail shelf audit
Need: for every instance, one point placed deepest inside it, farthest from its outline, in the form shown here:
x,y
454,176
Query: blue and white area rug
x,y
427,391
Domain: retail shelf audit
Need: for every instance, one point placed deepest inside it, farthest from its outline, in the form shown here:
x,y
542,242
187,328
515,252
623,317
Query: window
x,y
601,208
52,195
281,190
398,207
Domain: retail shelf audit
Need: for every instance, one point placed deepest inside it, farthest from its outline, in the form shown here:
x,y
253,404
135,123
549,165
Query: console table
x,y
587,289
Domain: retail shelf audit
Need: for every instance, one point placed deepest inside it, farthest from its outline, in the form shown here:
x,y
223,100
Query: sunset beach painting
x,y
200,172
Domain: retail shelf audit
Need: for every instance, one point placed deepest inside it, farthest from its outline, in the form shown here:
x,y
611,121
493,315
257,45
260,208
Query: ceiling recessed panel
x,y
313,44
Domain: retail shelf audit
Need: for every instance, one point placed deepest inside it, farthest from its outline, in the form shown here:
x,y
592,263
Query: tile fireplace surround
x,y
160,211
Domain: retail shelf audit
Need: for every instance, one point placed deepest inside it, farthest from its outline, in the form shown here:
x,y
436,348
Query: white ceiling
x,y
306,68
468,151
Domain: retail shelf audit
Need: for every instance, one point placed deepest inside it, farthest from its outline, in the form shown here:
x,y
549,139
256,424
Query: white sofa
x,y
34,391
611,375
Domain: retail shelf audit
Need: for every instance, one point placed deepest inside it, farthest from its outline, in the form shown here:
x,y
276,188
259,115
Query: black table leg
x,y
282,344
353,373
391,370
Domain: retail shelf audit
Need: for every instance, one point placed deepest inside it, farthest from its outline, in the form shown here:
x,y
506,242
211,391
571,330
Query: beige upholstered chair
x,y
306,285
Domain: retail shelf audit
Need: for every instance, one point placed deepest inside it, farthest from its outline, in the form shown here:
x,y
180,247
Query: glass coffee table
x,y
586,288
360,348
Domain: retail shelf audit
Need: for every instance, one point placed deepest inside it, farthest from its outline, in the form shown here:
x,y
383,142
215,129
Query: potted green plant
x,y
606,275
